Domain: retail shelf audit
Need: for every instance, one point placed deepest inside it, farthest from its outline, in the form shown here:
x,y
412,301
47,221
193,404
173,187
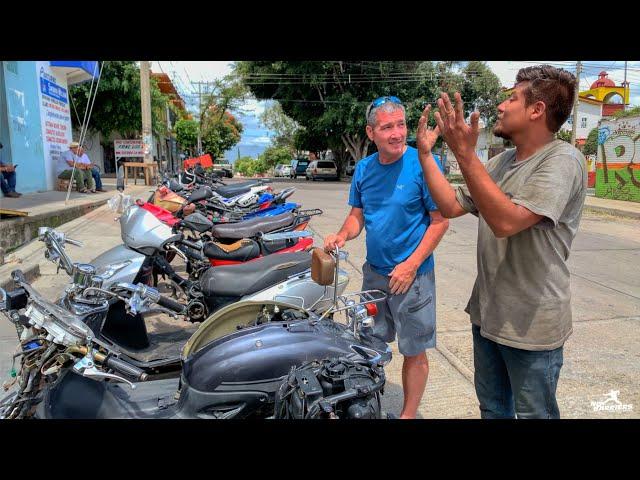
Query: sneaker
x,y
92,191
100,190
12,195
18,193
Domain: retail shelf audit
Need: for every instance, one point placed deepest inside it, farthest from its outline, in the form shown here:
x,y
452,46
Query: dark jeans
x,y
95,171
8,182
511,381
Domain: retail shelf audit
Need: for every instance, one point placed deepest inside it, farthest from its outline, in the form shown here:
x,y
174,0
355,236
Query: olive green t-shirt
x,y
522,297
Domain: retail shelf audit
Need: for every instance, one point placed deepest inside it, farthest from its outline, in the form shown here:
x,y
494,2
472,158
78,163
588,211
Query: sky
x,y
255,137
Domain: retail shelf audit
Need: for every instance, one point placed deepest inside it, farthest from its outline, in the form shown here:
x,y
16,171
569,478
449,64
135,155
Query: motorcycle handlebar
x,y
170,304
189,244
125,368
190,252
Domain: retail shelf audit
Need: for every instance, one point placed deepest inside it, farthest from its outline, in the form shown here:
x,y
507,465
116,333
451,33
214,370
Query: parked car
x,y
351,167
282,171
299,167
223,169
325,169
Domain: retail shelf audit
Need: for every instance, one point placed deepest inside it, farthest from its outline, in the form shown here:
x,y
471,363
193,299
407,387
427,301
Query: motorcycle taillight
x,y
372,309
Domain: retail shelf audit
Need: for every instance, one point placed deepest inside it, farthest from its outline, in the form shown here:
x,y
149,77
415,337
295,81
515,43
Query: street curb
x,y
20,231
455,362
612,211
31,273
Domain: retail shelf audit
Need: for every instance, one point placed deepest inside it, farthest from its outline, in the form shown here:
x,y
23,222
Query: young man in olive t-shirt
x,y
529,202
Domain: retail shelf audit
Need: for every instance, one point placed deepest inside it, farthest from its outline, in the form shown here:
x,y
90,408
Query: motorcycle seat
x,y
229,191
240,251
250,228
251,277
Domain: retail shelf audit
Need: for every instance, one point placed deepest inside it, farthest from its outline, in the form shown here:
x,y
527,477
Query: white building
x,y
589,114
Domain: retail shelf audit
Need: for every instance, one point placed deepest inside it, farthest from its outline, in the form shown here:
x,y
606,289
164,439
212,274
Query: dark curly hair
x,y
553,86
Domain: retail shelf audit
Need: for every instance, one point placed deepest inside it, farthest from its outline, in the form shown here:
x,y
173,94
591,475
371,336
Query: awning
x,y
77,71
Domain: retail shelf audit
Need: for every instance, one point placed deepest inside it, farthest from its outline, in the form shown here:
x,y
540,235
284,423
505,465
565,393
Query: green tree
x,y
243,165
117,105
329,99
285,128
274,155
591,144
564,135
187,134
248,166
219,133
480,91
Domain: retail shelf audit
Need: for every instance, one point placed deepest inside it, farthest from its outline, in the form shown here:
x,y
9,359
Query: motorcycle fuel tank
x,y
119,264
141,230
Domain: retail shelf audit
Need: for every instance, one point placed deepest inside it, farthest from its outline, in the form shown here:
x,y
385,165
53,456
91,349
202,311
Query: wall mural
x,y
618,165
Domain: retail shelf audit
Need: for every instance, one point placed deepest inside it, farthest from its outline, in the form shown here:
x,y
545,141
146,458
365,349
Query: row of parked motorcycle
x,y
263,326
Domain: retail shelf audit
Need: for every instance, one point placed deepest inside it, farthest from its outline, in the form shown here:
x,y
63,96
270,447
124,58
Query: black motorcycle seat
x,y
229,191
251,277
250,228
240,251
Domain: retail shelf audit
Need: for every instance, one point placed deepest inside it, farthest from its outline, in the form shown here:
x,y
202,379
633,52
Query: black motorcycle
x,y
252,359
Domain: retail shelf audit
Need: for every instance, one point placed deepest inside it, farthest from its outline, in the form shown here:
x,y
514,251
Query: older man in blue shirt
x,y
390,200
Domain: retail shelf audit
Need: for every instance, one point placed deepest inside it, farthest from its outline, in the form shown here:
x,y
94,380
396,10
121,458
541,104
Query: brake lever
x,y
87,368
94,373
71,241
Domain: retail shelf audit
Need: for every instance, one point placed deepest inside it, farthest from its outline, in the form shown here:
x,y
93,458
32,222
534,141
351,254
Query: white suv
x,y
325,169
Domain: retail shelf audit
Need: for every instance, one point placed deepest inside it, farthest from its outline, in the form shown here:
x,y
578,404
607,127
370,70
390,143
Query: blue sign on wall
x,y
53,90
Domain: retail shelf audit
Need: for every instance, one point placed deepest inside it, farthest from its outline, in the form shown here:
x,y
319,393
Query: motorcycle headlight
x,y
109,271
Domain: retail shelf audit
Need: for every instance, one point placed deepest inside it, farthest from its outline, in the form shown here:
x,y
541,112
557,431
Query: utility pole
x,y
199,117
200,112
624,84
574,126
145,100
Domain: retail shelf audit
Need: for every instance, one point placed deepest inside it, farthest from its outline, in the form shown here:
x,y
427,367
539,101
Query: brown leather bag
x,y
323,267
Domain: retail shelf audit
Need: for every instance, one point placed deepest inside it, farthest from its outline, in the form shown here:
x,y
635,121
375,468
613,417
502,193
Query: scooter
x,y
253,359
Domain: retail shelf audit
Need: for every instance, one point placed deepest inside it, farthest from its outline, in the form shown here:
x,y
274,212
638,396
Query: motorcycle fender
x,y
300,287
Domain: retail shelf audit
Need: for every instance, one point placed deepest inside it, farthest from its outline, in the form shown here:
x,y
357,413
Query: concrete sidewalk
x,y
17,235
50,209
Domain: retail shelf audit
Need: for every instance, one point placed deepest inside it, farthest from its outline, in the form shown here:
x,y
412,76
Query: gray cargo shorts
x,y
411,315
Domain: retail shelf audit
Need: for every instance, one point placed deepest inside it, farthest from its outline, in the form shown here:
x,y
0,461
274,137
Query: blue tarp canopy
x,y
77,71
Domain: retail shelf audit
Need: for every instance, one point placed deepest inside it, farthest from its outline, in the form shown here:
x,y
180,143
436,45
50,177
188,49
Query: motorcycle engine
x,y
331,388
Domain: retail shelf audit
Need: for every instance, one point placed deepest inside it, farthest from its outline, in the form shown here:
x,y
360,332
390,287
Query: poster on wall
x,y
128,148
55,116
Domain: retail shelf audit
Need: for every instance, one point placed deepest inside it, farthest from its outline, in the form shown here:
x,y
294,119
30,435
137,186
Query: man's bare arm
x,y
439,187
441,191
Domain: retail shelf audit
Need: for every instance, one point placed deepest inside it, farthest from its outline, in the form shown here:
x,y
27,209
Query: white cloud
x,y
261,140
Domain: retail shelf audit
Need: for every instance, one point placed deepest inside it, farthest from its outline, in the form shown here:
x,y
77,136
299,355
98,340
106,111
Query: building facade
x,y
35,116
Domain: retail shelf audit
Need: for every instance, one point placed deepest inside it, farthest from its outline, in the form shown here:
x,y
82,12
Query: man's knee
x,y
419,359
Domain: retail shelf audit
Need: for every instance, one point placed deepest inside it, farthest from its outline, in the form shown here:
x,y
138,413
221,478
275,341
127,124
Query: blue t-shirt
x,y
396,203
